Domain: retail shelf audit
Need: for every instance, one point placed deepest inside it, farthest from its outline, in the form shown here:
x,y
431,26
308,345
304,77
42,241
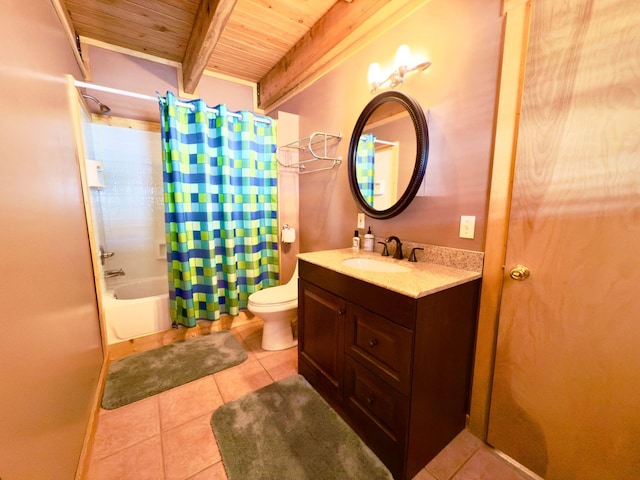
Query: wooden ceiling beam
x,y
210,21
346,27
63,14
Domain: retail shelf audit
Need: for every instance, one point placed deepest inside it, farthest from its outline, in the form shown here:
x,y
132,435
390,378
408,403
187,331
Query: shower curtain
x,y
365,166
220,193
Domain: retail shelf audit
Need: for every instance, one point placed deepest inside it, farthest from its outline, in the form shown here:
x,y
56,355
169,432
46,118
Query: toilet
x,y
278,308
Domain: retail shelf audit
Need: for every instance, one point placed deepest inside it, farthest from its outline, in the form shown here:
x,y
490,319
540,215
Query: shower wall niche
x,y
128,211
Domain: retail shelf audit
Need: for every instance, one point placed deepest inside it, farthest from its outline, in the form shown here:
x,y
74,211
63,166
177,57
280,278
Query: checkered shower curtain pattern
x,y
220,193
365,166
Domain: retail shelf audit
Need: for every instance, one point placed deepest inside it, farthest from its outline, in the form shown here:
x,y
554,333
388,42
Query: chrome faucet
x,y
104,255
113,273
398,253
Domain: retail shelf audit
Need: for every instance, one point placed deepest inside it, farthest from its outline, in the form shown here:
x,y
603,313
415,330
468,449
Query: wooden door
x,y
566,391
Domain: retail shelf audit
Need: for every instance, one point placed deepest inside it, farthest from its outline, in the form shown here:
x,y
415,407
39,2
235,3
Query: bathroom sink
x,y
372,265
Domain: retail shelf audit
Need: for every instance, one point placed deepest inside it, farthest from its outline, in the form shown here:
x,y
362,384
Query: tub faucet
x,y
398,253
113,273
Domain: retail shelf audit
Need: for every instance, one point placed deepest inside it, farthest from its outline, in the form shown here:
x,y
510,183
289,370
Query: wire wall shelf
x,y
308,150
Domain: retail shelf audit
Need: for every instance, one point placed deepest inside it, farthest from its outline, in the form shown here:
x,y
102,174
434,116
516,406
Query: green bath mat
x,y
143,374
286,431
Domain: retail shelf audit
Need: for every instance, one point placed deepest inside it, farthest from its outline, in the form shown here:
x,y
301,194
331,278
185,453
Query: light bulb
x,y
403,56
374,73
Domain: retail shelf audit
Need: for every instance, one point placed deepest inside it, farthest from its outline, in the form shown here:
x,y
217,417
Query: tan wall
x,y
463,39
50,348
117,70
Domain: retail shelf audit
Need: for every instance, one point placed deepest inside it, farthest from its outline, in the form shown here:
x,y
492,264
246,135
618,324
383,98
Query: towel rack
x,y
317,145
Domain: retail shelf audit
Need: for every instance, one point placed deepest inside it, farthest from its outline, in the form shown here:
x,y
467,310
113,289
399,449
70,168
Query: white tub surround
x,y
137,308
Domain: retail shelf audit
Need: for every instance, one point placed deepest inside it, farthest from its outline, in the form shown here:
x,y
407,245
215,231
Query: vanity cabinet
x,y
396,368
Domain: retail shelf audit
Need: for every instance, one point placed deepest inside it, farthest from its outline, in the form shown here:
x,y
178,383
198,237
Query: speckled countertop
x,y
423,277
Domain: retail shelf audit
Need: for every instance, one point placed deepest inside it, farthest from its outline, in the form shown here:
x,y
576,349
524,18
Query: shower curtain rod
x,y
384,142
114,90
141,96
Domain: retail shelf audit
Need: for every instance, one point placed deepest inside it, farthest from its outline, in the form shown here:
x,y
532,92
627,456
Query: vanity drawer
x,y
381,345
378,413
393,305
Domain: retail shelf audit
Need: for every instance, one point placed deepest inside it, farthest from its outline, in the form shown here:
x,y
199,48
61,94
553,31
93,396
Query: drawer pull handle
x,y
373,343
370,400
341,311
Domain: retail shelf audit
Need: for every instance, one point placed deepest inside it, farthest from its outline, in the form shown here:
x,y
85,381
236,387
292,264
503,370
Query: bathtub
x,y
136,308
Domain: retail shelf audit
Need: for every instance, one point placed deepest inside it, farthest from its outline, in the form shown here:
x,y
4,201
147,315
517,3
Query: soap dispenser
x,y
369,241
355,242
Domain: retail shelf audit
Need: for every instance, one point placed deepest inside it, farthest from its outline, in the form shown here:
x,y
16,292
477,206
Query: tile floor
x,y
158,438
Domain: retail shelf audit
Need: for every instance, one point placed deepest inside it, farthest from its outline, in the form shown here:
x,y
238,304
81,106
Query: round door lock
x,y
520,272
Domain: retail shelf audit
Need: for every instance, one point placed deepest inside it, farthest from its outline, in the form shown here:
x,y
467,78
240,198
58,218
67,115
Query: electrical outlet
x,y
360,220
467,226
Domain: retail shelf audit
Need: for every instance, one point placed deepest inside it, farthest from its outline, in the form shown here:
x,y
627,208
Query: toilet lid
x,y
275,295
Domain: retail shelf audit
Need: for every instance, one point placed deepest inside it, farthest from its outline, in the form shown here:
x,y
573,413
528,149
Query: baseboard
x,y
166,337
519,466
87,446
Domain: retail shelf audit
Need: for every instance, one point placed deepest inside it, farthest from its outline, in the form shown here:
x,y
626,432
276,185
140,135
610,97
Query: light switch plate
x,y
360,220
467,226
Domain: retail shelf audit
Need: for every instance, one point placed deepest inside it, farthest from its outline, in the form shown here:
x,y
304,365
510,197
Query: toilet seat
x,y
275,296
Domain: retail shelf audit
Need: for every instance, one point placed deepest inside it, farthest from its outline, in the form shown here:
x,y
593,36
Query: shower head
x,y
103,108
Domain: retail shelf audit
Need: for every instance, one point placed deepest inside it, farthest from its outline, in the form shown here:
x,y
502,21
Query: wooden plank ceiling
x,y
274,43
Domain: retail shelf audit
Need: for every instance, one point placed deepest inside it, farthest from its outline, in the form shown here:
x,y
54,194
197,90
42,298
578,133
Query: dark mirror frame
x,y
422,152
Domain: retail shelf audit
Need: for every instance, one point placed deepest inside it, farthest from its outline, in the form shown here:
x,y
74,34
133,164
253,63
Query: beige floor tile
x,y
449,460
486,465
169,435
214,472
188,401
251,356
126,426
424,475
252,336
142,461
242,379
189,448
281,364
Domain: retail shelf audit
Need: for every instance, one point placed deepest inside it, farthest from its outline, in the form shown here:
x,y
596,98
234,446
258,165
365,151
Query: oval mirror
x,y
388,154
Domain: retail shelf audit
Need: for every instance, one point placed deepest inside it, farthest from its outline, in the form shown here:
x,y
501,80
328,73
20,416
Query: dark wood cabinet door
x,y
321,338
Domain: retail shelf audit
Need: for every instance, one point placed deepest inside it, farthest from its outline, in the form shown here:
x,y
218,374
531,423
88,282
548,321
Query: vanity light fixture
x,y
402,67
